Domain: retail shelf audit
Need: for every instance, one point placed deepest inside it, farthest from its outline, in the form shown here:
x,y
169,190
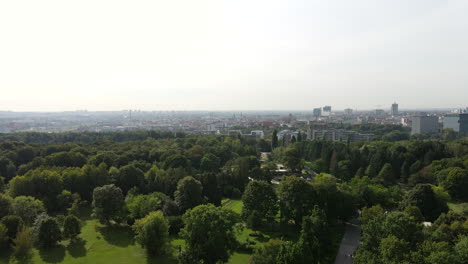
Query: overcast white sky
x,y
238,54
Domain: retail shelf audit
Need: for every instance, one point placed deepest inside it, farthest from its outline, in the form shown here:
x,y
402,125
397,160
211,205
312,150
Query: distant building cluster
x,y
323,131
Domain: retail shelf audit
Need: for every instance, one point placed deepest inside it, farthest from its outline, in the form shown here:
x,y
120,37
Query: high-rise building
x,y
317,112
463,123
394,109
326,110
424,124
452,121
457,122
379,112
348,111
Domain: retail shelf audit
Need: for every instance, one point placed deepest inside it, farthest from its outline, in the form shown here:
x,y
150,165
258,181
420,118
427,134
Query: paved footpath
x,y
349,243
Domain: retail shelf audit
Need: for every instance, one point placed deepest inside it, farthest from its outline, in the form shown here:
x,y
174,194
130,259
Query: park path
x,y
349,243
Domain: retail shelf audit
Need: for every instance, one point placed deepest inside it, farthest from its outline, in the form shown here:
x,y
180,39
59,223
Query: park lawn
x,y
101,245
234,205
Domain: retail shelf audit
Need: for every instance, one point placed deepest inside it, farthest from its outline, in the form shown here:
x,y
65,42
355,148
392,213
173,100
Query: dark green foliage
x,y
296,197
42,184
141,205
5,205
7,168
130,176
23,243
274,139
188,193
152,232
13,224
385,175
267,253
71,227
456,183
211,189
259,203
107,203
209,234
28,208
423,197
210,162
46,231
3,237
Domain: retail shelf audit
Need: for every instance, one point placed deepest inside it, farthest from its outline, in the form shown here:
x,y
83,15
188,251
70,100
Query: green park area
x,y
116,245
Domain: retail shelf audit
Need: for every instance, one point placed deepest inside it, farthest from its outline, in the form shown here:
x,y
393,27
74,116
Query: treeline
x,y
87,137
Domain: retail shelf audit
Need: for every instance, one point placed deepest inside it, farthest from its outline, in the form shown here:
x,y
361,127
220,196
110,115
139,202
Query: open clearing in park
x,y
116,245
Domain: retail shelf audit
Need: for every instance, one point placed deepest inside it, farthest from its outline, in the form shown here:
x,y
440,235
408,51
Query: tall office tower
x,y
394,109
317,112
348,111
326,110
424,124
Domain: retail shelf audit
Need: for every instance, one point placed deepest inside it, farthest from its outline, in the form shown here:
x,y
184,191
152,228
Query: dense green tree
x,y
13,224
5,205
274,140
46,231
27,207
210,162
296,197
107,202
66,159
293,160
461,250
130,176
394,250
188,193
385,175
152,232
42,184
176,161
211,189
3,237
141,205
7,168
259,203
71,227
456,183
209,233
423,197
267,253
314,240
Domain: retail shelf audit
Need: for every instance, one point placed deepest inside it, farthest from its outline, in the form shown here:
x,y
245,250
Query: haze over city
x,y
225,55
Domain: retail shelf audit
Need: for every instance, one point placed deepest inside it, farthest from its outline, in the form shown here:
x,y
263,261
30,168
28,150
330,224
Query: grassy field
x,y
116,245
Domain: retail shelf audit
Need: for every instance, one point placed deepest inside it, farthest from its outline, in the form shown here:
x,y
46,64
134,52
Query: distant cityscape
x,y
314,124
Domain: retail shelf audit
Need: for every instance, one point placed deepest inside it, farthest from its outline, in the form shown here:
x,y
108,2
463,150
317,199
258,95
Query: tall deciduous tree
x,y
107,202
71,227
209,234
188,193
46,231
296,197
274,140
152,232
260,202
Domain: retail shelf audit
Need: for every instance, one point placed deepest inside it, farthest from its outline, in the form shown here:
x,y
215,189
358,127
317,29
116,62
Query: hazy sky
x,y
238,54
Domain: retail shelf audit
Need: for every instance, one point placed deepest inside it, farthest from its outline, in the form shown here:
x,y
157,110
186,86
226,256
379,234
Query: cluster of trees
x,y
399,237
163,184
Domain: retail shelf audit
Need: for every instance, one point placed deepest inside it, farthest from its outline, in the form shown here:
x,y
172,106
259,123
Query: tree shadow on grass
x,y
55,254
121,236
77,248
